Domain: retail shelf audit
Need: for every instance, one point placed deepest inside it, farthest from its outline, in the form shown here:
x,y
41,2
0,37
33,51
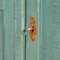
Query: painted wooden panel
x,y
47,44
15,15
51,29
12,39
8,29
34,48
1,3
19,42
1,35
14,21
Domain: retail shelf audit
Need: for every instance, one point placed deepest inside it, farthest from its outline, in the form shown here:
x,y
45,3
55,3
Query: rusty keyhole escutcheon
x,y
33,31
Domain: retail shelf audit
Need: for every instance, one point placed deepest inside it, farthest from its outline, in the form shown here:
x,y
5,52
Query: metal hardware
x,y
32,29
26,30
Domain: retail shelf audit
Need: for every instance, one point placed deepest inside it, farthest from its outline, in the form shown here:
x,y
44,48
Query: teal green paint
x,y
9,30
19,26
48,23
12,21
22,22
1,35
1,3
33,49
51,29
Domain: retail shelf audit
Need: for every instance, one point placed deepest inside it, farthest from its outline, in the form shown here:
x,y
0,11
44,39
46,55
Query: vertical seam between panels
x,y
25,24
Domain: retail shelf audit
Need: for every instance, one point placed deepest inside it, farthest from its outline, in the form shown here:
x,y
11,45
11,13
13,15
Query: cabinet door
x,y
47,44
13,28
12,21
34,48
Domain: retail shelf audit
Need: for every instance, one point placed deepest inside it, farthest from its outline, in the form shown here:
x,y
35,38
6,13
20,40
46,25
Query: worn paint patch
x,y
34,30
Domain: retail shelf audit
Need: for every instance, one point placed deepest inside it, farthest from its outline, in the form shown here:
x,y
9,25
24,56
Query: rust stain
x,y
34,30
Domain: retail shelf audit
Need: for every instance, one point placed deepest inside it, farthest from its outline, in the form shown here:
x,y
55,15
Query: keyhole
x,y
33,29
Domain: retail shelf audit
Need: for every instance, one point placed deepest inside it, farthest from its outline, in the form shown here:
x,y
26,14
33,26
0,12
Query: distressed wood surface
x,y
14,21
47,44
51,29
33,48
14,15
8,6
